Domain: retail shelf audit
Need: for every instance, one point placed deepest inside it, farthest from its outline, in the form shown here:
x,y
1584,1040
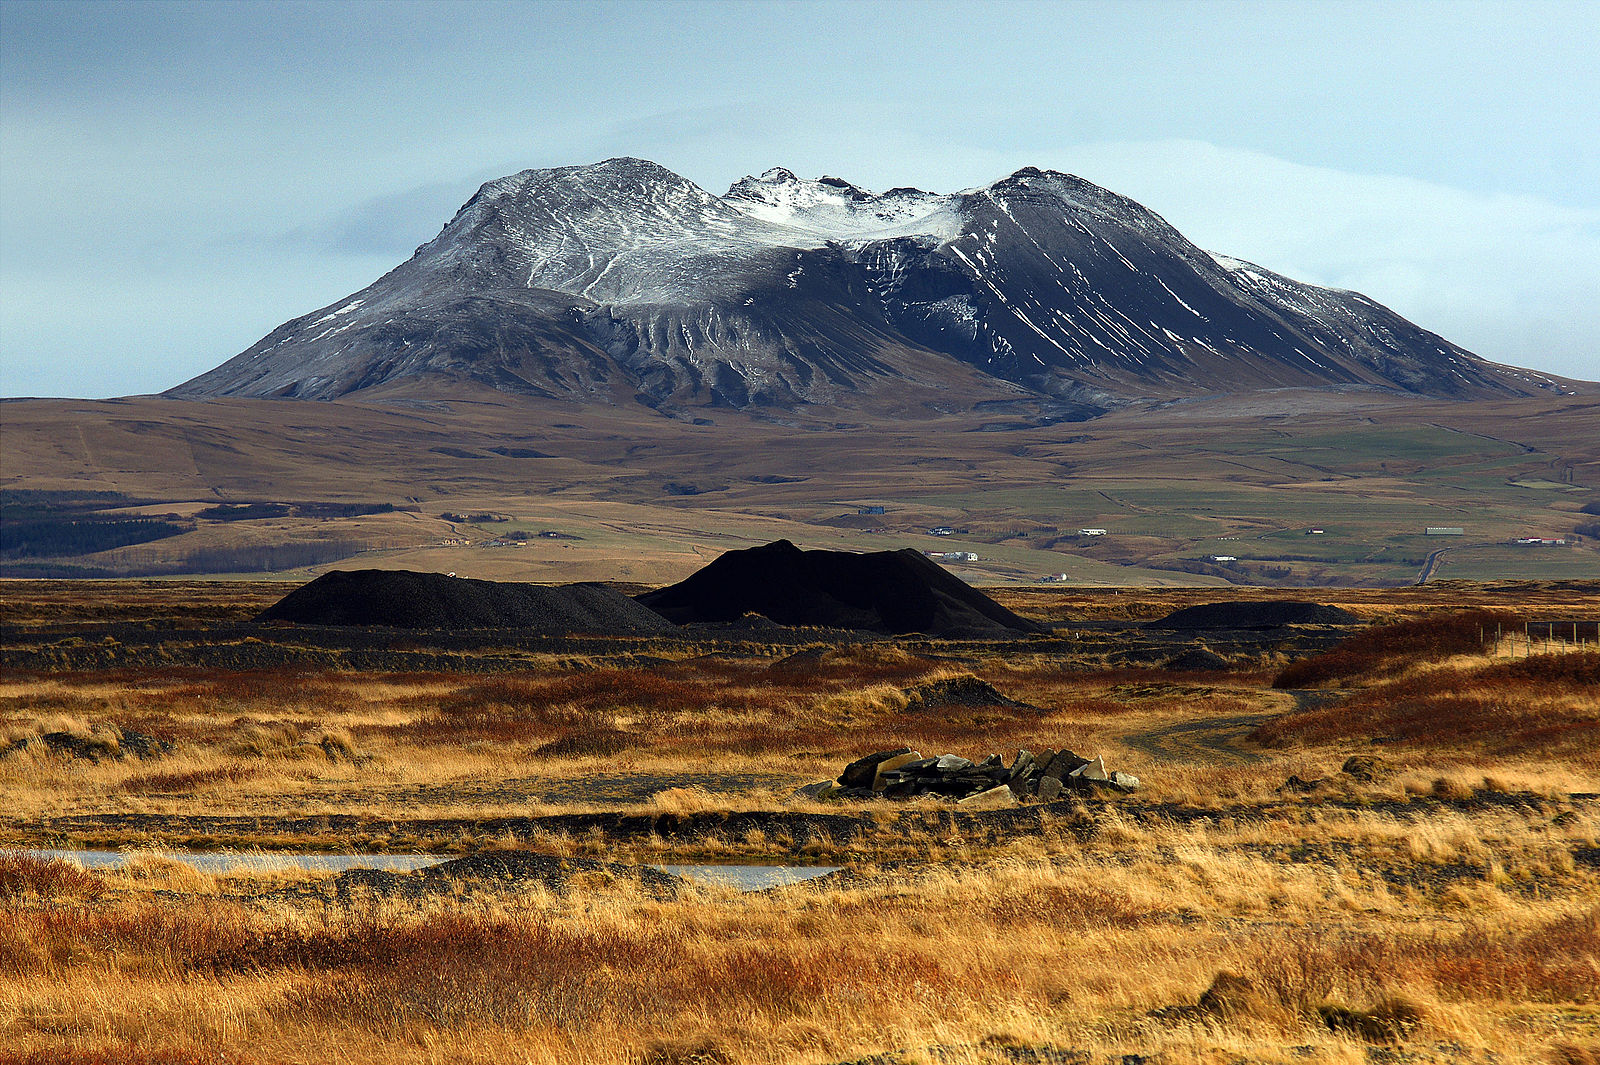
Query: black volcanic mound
x,y
404,599
891,592
1266,614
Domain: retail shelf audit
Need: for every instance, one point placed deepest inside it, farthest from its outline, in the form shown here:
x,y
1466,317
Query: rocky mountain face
x,y
622,281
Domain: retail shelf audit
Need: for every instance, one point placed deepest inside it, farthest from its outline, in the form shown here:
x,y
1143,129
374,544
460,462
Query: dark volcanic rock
x,y
495,871
554,872
989,784
1198,658
892,592
860,773
1268,614
959,693
408,600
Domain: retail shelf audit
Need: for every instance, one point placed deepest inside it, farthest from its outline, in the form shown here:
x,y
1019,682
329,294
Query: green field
x,y
649,499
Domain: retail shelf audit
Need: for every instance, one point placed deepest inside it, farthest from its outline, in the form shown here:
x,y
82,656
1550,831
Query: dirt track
x,y
1209,740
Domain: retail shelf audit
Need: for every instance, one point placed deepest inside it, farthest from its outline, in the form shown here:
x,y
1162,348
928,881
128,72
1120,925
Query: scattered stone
x,y
1063,764
992,799
103,744
815,791
1095,770
878,781
145,746
91,747
862,772
987,784
1302,787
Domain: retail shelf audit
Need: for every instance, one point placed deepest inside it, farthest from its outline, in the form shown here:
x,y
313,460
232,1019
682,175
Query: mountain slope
x,y
622,280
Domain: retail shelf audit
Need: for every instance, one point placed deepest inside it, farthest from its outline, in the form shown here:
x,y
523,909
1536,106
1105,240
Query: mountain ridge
x,y
621,281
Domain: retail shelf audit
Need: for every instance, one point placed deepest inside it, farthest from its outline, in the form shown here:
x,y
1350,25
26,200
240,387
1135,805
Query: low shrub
x,y
190,780
1387,649
28,874
1544,704
599,742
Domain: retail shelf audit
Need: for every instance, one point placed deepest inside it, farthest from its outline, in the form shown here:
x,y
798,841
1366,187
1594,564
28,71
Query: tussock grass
x,y
1546,704
24,874
1385,649
1088,953
1447,901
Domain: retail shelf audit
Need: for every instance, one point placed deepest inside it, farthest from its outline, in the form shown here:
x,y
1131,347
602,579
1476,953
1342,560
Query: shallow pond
x,y
744,877
252,862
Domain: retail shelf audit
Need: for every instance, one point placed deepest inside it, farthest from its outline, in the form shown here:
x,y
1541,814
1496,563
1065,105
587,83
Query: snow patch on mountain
x,y
831,209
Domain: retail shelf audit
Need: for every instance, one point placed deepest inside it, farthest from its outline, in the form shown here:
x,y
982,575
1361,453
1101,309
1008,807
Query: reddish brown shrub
x,y
598,742
196,778
27,874
1555,962
1538,704
1389,648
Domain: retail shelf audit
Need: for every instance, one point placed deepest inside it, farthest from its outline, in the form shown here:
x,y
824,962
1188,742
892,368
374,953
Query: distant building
x,y
941,530
1091,532
954,556
1223,558
1444,530
1313,532
1055,578
869,510
1540,541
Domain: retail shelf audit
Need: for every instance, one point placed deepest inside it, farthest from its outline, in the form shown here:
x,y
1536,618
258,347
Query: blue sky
x,y
178,179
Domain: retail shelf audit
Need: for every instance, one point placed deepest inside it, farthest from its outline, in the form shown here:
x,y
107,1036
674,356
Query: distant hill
x,y
406,600
893,592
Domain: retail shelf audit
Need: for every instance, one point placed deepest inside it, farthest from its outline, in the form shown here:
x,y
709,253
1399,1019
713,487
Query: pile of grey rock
x,y
986,785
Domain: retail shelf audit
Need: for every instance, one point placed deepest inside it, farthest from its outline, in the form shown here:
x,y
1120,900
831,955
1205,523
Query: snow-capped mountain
x,y
621,280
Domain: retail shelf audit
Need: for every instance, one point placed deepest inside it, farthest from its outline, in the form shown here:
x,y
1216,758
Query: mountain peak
x,y
621,278
831,208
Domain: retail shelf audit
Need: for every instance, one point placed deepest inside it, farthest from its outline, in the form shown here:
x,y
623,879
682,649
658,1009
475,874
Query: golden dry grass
x,y
1442,907
1108,949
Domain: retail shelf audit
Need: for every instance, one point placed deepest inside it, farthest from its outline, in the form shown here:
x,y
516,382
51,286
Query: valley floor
x,y
1375,844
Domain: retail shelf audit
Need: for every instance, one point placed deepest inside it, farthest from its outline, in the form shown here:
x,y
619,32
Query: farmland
x,y
491,488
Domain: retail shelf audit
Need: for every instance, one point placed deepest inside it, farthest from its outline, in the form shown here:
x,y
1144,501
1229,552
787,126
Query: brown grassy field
x,y
1387,850
640,497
